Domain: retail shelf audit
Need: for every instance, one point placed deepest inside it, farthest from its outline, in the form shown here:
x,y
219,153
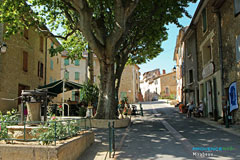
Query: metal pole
x,y
55,135
63,96
109,139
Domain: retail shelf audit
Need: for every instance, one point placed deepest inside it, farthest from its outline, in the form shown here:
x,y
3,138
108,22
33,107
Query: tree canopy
x,y
135,28
116,30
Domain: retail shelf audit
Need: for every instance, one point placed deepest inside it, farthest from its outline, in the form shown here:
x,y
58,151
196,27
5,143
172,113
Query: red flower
x,y
60,106
53,118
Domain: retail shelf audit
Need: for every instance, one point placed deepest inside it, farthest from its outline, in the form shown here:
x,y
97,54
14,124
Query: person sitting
x,y
191,106
200,109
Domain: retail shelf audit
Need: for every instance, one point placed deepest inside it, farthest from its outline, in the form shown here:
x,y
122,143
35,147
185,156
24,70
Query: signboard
x,y
233,102
208,70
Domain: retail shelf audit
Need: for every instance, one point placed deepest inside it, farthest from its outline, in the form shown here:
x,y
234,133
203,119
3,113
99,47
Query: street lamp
x,y
65,73
3,47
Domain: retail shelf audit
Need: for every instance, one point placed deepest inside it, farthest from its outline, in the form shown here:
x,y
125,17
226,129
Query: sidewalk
x,y
234,129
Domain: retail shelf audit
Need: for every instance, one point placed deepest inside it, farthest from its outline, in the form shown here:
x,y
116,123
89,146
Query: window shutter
x,y
238,48
66,75
25,61
51,64
51,80
236,6
204,16
76,75
76,62
73,95
41,43
25,33
66,62
38,68
41,70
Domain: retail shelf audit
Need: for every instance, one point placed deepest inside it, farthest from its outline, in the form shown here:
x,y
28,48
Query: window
x,y
207,53
190,74
167,90
123,94
25,33
156,82
76,62
51,64
236,7
41,43
51,80
204,20
25,61
76,75
66,75
40,69
66,61
73,95
238,48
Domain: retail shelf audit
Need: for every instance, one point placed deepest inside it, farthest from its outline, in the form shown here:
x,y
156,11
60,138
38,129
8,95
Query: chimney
x,y
163,71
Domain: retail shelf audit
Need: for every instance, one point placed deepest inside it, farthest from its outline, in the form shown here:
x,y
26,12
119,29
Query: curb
x,y
215,124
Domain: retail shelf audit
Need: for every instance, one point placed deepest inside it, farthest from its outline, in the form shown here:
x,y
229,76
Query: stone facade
x,y
230,33
150,85
23,66
178,57
21,52
168,84
215,26
129,85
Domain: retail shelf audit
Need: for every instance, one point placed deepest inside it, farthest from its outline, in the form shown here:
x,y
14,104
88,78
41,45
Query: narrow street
x,y
164,133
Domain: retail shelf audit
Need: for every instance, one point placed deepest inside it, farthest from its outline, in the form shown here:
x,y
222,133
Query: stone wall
x,y
11,67
70,150
230,31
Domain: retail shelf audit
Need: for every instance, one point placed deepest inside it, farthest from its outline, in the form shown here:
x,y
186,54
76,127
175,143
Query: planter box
x,y
103,123
69,150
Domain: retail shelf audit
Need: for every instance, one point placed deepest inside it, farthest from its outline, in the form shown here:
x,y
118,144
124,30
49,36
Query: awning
x,y
56,87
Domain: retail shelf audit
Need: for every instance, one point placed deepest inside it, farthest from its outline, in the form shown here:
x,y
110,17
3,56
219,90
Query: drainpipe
x,y
221,64
45,77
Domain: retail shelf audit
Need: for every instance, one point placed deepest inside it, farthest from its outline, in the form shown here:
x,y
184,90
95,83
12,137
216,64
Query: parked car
x,y
155,98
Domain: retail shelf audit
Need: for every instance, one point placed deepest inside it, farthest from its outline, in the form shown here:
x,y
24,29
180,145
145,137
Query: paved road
x,y
163,133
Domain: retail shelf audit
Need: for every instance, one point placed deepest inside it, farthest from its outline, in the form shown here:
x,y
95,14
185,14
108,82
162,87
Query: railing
x,y
45,132
111,139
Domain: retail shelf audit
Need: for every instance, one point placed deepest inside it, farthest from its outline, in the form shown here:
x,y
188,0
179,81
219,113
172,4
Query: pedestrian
x,y
191,106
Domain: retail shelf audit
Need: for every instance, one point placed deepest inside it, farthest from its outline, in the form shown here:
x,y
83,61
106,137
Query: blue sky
x,y
165,59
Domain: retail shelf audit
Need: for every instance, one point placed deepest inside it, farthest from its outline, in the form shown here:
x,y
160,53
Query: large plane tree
x,y
117,31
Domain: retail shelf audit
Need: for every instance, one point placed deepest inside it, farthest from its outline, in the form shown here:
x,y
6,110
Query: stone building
x,y
190,80
179,58
150,84
77,71
168,84
23,66
204,30
227,13
218,53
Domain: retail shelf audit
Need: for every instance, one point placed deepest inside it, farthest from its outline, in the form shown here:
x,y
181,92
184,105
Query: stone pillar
x,y
33,112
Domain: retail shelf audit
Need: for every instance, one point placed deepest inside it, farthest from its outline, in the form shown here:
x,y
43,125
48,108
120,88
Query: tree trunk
x,y
107,96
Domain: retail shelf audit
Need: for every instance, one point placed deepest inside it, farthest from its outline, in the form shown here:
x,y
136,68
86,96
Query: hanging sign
x,y
233,102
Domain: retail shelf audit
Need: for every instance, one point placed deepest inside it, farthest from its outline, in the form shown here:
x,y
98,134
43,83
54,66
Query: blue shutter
x,y
238,48
51,64
73,95
66,75
76,75
66,62
51,80
236,6
76,62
